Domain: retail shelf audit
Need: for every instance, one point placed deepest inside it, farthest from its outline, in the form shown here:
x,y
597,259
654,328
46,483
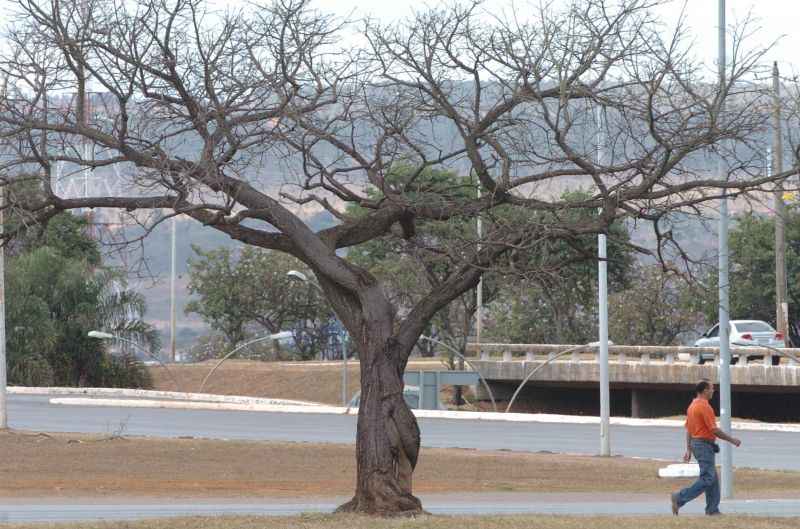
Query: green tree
x,y
60,294
552,297
239,293
752,272
656,308
410,269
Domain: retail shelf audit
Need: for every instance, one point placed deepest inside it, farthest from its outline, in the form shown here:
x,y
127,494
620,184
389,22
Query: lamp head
x,y
100,335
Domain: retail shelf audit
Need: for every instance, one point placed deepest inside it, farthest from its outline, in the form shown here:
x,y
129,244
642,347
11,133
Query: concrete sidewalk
x,y
473,504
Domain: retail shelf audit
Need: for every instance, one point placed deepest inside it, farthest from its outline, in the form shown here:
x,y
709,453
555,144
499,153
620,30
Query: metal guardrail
x,y
430,382
622,353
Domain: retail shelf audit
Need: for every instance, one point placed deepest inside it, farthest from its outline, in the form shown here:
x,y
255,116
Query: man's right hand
x,y
735,442
687,456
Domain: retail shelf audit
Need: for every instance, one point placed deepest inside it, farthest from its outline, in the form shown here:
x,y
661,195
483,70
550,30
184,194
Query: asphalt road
x,y
773,450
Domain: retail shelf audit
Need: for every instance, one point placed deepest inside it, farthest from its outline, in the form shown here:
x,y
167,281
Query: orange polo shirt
x,y
700,420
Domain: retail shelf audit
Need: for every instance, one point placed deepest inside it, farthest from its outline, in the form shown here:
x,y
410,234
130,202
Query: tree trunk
x,y
388,439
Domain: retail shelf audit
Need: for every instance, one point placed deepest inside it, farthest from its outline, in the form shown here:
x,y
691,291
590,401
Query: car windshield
x,y
753,326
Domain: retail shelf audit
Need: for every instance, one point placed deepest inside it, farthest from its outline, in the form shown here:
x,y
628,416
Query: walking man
x,y
701,434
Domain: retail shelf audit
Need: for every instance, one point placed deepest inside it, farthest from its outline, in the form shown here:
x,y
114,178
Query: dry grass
x,y
313,381
279,380
36,465
493,522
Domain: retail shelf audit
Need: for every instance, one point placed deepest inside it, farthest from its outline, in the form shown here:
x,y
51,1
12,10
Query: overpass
x,y
646,381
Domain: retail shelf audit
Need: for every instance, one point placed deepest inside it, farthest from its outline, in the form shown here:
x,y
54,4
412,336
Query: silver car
x,y
743,332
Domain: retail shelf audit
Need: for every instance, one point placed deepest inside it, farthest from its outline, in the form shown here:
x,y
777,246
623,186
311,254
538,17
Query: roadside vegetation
x,y
62,289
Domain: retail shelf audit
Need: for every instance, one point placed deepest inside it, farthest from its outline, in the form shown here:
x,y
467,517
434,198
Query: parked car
x,y
743,332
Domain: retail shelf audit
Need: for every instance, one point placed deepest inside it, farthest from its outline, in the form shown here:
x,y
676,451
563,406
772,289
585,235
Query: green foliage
x,y
752,271
225,291
655,309
238,294
58,297
410,269
554,298
31,370
543,292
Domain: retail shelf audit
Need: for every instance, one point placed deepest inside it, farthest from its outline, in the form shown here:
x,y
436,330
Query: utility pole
x,y
3,378
84,108
724,292
602,290
781,298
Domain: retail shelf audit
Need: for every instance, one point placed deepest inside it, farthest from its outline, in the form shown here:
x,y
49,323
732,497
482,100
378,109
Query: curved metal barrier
x,y
236,350
537,368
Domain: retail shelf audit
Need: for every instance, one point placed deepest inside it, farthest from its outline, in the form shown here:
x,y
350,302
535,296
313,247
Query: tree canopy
x,y
238,293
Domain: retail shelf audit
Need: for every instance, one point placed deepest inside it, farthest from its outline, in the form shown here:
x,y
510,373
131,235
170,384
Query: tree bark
x,y
388,438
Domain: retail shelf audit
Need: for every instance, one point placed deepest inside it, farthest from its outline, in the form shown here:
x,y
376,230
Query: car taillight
x,y
747,336
779,336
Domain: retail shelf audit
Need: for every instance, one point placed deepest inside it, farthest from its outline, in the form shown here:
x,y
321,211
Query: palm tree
x,y
56,295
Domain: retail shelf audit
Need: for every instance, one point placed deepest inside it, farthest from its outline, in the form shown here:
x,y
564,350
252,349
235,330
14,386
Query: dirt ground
x,y
76,465
444,522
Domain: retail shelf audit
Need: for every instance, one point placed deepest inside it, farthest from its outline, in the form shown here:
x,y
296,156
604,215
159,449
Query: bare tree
x,y
205,109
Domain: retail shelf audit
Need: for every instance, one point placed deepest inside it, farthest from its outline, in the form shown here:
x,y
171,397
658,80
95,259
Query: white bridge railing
x,y
625,353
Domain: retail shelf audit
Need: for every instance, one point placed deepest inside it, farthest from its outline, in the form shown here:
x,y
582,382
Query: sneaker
x,y
674,500
715,513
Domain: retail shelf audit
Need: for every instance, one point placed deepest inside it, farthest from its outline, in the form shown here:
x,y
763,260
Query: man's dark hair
x,y
701,386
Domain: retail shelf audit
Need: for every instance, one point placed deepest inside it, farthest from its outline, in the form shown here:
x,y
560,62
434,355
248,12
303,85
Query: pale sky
x,y
775,18
778,19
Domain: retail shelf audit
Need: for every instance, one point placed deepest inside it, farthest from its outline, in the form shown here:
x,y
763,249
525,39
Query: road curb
x,y
151,394
271,405
196,405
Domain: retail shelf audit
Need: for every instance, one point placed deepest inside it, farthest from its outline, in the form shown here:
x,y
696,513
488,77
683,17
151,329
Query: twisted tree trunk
x,y
388,439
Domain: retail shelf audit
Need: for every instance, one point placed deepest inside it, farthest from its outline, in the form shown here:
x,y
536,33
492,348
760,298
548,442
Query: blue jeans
x,y
707,482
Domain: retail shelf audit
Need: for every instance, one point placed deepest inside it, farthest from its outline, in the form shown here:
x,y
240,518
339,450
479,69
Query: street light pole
x,y
479,290
172,304
300,276
277,336
602,290
724,292
101,335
